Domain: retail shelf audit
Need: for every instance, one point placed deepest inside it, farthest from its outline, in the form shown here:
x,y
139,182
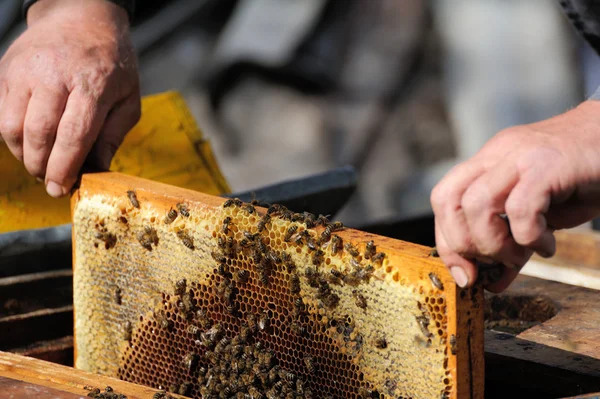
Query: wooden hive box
x,y
222,300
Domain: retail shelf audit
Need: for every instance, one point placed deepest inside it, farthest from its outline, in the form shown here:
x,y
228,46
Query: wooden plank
x,y
65,379
58,351
46,324
14,389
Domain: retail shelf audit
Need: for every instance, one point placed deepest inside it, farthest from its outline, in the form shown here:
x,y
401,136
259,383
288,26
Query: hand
x,y
543,176
68,88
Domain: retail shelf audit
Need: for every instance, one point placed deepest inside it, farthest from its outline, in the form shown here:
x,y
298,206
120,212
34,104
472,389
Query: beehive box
x,y
179,290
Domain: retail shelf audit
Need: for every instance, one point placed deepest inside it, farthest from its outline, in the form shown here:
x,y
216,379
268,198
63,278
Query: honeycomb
x,y
223,299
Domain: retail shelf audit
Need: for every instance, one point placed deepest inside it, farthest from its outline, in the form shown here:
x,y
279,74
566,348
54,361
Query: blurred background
x,y
400,89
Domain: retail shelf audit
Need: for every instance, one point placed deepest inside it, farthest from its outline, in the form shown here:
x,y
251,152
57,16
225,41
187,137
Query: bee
x,y
424,326
323,220
109,239
337,226
171,216
183,209
221,242
273,257
163,321
325,235
391,385
133,199
263,321
351,249
254,393
275,209
118,295
226,224
185,389
218,257
298,329
94,392
378,257
310,242
317,258
257,256
127,331
242,276
310,364
298,307
144,240
453,348
359,299
435,280
186,239
190,361
294,284
250,208
159,395
194,330
331,300
262,223
370,249
251,320
336,244
180,287
260,245
312,277
263,276
434,253
228,203
381,343
290,232
232,308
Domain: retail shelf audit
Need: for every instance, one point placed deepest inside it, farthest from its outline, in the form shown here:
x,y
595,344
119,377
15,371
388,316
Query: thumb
x,y
120,120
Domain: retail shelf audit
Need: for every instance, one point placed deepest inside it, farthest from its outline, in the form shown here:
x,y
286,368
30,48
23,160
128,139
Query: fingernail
x,y
459,276
54,190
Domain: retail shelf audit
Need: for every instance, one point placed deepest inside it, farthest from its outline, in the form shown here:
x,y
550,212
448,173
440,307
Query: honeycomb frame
x,y
356,332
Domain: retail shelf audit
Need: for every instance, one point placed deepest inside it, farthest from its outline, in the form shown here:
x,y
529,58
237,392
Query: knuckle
x,y
10,126
41,126
475,200
517,209
461,244
438,197
72,134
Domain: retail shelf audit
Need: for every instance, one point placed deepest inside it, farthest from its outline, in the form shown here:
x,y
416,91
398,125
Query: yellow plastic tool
x,y
165,146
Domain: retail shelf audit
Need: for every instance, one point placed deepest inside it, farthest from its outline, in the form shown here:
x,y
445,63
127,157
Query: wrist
x,y
99,10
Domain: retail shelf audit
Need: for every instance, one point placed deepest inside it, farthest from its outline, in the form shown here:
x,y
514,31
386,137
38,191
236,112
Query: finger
x,y
44,111
508,275
462,270
12,117
483,202
526,207
77,132
119,122
446,203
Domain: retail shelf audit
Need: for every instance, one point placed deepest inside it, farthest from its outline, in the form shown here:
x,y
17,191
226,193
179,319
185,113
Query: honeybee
x,y
337,226
226,224
317,257
183,209
180,287
312,277
228,203
325,235
263,276
273,257
174,388
159,395
242,276
251,320
144,240
298,329
331,300
378,257
133,199
370,249
290,232
118,295
194,330
186,239
434,253
294,284
127,331
232,308
381,343
424,325
250,208
310,364
336,244
275,209
260,245
263,321
163,321
185,389
351,249
359,299
262,223
435,280
171,216
190,361
109,239
390,385
453,348
219,258
310,242
323,220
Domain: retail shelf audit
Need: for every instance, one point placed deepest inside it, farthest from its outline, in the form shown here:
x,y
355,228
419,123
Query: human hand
x,y
68,89
543,176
